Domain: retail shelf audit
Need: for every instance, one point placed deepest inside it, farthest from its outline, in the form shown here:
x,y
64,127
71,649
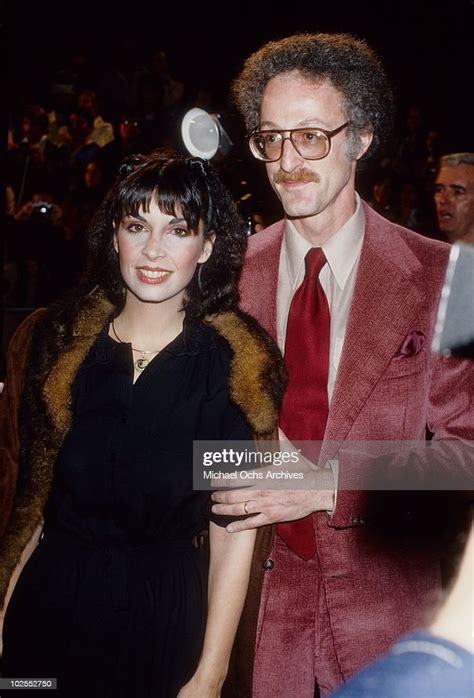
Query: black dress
x,y
113,600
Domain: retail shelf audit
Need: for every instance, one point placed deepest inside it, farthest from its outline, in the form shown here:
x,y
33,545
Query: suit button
x,y
268,565
357,521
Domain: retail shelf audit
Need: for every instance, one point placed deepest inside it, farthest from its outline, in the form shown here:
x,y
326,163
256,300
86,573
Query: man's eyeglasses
x,y
310,143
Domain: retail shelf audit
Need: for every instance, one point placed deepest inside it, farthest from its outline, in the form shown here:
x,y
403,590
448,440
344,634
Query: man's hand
x,y
24,213
56,215
273,506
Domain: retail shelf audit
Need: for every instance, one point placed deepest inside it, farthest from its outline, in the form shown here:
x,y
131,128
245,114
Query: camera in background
x,y
43,208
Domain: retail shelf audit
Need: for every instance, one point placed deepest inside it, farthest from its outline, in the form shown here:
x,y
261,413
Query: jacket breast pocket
x,y
401,366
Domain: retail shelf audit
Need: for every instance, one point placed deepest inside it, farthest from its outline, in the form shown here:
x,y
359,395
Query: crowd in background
x,y
63,154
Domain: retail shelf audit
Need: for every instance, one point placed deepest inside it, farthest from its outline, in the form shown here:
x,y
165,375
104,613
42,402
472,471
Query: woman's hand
x,y
201,687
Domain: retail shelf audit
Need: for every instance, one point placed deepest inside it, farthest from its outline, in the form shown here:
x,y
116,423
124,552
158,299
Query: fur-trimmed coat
x,y
44,357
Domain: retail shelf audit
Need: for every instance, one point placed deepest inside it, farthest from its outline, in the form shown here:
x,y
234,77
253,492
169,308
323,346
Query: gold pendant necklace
x,y
142,362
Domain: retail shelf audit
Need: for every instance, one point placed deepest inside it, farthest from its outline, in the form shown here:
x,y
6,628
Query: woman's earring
x,y
199,279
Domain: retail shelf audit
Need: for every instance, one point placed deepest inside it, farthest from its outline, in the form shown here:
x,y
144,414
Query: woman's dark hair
x,y
172,182
349,63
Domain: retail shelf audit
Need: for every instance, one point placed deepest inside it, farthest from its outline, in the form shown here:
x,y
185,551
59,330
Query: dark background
x,y
425,46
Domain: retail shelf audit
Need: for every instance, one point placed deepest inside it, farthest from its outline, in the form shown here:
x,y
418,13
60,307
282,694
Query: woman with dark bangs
x,y
105,392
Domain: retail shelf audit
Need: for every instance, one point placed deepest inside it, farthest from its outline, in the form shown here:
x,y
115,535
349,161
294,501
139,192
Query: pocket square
x,y
412,344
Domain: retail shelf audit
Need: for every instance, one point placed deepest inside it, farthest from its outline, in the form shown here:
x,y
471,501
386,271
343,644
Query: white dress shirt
x,y
337,278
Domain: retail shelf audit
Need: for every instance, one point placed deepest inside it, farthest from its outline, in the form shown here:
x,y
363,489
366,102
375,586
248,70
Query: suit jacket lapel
x,y
260,277
385,303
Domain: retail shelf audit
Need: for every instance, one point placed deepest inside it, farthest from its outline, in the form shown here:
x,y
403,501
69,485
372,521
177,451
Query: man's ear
x,y
365,139
207,246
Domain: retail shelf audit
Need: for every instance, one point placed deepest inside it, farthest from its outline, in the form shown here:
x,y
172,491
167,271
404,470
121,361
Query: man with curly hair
x,y
351,299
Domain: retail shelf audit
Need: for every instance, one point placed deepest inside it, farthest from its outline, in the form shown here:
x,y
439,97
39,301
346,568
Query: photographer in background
x,y
40,203
46,252
34,162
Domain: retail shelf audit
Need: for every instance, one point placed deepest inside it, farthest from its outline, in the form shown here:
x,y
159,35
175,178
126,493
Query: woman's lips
x,y
152,276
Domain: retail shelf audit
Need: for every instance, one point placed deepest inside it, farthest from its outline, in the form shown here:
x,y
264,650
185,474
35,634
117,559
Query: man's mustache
x,y
301,175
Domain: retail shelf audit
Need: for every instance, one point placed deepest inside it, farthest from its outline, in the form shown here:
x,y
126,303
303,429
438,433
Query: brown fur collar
x,y
258,378
62,337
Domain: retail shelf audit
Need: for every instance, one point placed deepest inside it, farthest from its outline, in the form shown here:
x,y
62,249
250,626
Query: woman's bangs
x,y
177,195
169,187
133,197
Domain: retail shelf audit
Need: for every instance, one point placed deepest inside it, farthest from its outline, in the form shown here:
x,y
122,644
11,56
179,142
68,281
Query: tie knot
x,y
314,261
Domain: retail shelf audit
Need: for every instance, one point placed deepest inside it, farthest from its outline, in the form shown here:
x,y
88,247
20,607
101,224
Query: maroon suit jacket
x,y
386,389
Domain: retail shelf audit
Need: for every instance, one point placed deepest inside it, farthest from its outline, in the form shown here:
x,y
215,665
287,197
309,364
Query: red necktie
x,y
305,405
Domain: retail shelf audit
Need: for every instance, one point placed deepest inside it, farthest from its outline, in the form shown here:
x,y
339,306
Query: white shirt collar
x,y
342,249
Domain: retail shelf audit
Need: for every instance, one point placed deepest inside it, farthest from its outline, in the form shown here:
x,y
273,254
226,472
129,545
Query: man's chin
x,y
298,216
300,209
